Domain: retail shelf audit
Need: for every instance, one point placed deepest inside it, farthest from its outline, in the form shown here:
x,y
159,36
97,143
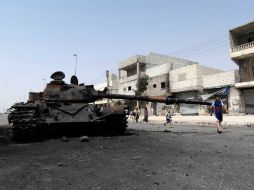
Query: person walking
x,y
136,114
168,118
145,115
218,106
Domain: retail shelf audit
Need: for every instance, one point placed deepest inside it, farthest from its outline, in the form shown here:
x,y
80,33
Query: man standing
x,y
136,114
218,111
145,115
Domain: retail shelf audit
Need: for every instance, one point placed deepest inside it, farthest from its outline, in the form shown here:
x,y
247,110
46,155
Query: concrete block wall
x,y
157,80
123,88
220,79
154,59
203,71
179,83
189,78
235,101
158,70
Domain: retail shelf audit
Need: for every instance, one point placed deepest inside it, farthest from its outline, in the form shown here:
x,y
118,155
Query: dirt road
x,y
184,157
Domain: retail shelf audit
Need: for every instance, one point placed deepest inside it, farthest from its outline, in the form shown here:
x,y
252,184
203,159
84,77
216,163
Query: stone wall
x,y
189,78
235,101
220,79
154,85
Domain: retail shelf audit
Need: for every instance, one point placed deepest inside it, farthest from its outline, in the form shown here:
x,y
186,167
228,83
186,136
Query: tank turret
x,y
62,104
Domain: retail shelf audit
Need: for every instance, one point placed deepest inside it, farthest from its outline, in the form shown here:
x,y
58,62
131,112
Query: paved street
x,y
182,157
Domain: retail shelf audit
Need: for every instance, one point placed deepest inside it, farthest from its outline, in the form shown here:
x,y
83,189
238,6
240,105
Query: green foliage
x,y
141,85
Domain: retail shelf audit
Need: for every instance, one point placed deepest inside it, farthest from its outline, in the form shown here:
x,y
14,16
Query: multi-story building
x,y
154,65
112,88
242,53
223,84
187,82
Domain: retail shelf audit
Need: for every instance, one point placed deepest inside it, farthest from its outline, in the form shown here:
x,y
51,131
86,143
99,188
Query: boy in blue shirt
x,y
218,111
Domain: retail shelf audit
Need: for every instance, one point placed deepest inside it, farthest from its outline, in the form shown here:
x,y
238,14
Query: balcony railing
x,y
242,47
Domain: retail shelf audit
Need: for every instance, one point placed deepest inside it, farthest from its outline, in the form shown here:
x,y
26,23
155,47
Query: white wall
x,y
158,70
219,79
193,79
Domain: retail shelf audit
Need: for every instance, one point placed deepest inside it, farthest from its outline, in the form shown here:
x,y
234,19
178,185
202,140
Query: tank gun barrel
x,y
167,100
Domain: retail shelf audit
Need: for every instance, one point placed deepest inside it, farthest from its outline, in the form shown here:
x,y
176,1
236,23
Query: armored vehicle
x,y
71,106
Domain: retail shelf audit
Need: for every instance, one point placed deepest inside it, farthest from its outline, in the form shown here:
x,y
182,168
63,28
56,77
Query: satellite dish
x,y
59,75
74,80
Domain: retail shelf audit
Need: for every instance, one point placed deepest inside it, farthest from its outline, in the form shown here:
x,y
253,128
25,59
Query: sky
x,y
38,37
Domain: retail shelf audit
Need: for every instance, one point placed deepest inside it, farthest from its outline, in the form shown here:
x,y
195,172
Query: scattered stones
x,y
60,164
136,157
156,183
186,174
130,133
64,139
84,139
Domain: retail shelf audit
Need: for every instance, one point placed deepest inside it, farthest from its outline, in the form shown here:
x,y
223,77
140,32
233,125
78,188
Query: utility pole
x,y
107,75
75,55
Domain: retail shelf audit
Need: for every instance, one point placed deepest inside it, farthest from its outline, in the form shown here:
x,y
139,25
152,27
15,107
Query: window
x,y
129,88
154,85
163,85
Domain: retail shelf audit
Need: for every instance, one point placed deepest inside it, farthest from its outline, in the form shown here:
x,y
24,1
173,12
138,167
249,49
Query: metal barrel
x,y
160,99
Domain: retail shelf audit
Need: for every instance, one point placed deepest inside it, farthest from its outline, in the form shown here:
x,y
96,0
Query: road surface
x,y
150,157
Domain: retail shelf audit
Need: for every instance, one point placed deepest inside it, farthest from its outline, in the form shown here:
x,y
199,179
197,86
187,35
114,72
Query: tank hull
x,y
33,122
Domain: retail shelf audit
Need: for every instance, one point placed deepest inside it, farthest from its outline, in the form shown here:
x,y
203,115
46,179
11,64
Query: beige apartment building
x,y
170,76
242,53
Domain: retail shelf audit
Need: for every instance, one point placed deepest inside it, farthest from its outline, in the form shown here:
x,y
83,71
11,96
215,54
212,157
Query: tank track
x,y
117,124
28,125
25,122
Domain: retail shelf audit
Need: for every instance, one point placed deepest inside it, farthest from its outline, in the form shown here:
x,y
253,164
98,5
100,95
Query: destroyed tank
x,y
72,106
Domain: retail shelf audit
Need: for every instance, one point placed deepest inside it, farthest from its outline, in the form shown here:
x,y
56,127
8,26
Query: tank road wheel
x,y
25,123
117,124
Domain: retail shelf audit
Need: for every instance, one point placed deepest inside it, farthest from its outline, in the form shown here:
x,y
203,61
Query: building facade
x,y
112,86
187,83
156,67
242,53
216,83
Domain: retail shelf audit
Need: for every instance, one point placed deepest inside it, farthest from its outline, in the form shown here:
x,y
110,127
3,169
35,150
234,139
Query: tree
x,y
141,85
141,88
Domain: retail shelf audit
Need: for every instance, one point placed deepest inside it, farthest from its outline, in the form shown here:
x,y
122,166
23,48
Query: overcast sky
x,y
38,37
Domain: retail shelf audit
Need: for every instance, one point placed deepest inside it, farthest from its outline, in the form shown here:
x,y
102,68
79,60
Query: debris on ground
x,y
64,139
84,139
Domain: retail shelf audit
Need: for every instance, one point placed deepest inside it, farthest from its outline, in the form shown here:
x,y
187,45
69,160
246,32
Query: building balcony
x,y
128,79
249,84
242,51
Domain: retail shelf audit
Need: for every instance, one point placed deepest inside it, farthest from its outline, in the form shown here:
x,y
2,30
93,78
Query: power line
x,y
206,50
201,47
202,43
207,46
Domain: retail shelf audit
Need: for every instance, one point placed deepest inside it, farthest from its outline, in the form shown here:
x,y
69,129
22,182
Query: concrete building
x,y
178,77
157,67
112,88
187,82
242,53
225,80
